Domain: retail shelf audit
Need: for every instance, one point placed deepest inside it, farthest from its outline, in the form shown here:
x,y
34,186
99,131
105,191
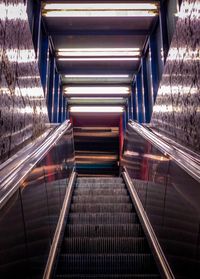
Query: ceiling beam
x,y
99,32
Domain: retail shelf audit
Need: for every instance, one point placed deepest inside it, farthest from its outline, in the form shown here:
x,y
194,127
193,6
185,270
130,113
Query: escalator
x,y
144,224
103,237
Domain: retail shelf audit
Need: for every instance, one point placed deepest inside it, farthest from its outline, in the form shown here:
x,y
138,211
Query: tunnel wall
x,y
23,112
176,113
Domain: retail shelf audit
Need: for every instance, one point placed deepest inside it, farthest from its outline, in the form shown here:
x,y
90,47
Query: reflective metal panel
x,y
176,113
171,200
28,220
13,248
23,112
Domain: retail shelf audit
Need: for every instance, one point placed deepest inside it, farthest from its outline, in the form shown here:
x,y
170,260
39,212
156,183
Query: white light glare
x,y
97,90
94,52
96,98
117,13
97,76
101,6
101,59
97,49
96,109
100,10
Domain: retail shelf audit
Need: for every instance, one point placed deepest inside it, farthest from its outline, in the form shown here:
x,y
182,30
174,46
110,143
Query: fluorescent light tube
x,y
101,59
96,109
97,49
100,6
97,76
95,53
97,90
100,9
96,98
82,13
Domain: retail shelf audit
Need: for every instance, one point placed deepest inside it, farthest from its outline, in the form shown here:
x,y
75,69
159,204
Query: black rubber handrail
x,y
184,159
11,175
161,260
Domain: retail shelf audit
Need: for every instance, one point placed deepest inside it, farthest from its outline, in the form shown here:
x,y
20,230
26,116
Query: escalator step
x,y
105,245
102,218
100,199
106,263
101,207
103,237
108,276
93,191
100,185
125,230
99,179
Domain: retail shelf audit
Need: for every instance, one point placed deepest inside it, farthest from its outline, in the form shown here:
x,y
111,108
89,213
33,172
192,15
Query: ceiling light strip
x,y
97,76
103,53
97,49
100,59
93,94
81,13
96,98
96,89
96,109
101,6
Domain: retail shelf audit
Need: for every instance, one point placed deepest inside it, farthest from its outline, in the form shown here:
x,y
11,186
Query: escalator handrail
x,y
59,228
10,177
161,260
184,159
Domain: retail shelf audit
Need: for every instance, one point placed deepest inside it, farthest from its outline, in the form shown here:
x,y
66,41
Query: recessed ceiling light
x,y
98,52
96,98
100,59
97,49
100,9
96,90
100,6
96,109
97,76
99,14
94,54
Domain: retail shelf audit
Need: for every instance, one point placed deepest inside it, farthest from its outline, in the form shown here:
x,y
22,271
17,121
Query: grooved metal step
x,y
101,207
100,185
102,218
108,276
99,179
105,245
96,192
100,199
104,230
106,263
103,237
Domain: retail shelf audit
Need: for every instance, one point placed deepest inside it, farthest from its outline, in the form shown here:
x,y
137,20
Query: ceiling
x,y
83,40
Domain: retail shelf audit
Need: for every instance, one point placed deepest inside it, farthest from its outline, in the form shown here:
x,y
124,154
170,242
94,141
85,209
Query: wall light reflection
x,y
32,92
163,108
13,12
131,153
21,55
155,157
185,10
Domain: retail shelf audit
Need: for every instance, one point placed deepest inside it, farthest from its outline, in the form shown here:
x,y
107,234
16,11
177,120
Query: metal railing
x,y
184,159
60,227
12,173
161,261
